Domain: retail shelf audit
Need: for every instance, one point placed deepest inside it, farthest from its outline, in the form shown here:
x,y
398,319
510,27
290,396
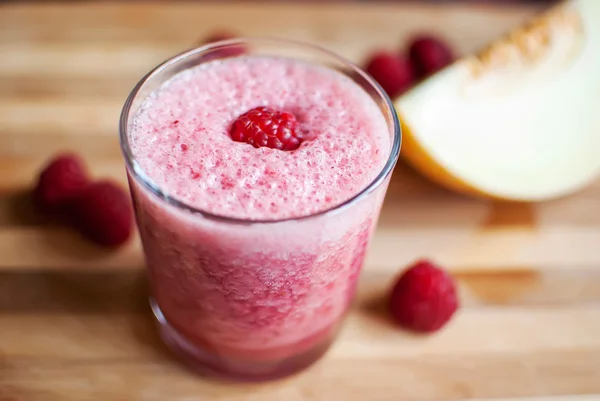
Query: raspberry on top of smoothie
x,y
263,126
182,138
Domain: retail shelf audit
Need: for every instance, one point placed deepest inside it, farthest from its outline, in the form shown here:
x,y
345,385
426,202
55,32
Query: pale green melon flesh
x,y
522,128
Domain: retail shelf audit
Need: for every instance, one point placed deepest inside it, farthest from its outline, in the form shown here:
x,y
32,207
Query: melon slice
x,y
521,119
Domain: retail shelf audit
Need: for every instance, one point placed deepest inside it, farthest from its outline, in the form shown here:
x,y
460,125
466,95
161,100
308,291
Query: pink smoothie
x,y
258,291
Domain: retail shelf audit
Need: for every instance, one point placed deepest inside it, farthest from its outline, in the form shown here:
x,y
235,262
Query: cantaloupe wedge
x,y
521,119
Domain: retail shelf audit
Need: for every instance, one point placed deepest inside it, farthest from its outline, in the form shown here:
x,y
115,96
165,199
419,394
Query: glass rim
x,y
140,176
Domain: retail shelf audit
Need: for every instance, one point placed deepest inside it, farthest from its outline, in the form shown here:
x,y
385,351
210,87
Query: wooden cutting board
x,y
74,323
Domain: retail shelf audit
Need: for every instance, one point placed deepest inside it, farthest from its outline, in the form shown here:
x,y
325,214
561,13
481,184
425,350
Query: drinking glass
x,y
252,299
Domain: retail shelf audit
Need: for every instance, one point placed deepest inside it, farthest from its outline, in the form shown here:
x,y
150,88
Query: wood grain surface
x,y
74,323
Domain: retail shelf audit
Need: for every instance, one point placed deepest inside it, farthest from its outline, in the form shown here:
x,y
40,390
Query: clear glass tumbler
x,y
250,299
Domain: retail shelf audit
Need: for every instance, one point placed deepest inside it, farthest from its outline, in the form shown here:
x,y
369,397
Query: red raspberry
x,y
424,297
429,54
219,35
263,126
229,51
61,180
394,74
102,212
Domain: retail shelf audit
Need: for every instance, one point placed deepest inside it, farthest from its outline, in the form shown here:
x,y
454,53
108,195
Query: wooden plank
x,y
115,334
354,30
113,290
415,378
556,398
508,249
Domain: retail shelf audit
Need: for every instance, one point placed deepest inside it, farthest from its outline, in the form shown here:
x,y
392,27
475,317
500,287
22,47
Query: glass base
x,y
209,363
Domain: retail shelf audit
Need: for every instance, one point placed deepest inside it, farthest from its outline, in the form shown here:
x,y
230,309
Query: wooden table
x,y
74,322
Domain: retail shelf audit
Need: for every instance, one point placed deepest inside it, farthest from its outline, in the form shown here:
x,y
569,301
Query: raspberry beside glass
x,y
253,253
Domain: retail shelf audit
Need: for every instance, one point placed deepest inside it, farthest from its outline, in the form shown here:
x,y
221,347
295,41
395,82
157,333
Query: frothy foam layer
x,y
180,138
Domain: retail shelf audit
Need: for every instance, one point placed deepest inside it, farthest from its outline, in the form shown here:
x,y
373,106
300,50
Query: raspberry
x,y
61,180
424,297
229,51
429,54
263,126
102,212
219,35
394,74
